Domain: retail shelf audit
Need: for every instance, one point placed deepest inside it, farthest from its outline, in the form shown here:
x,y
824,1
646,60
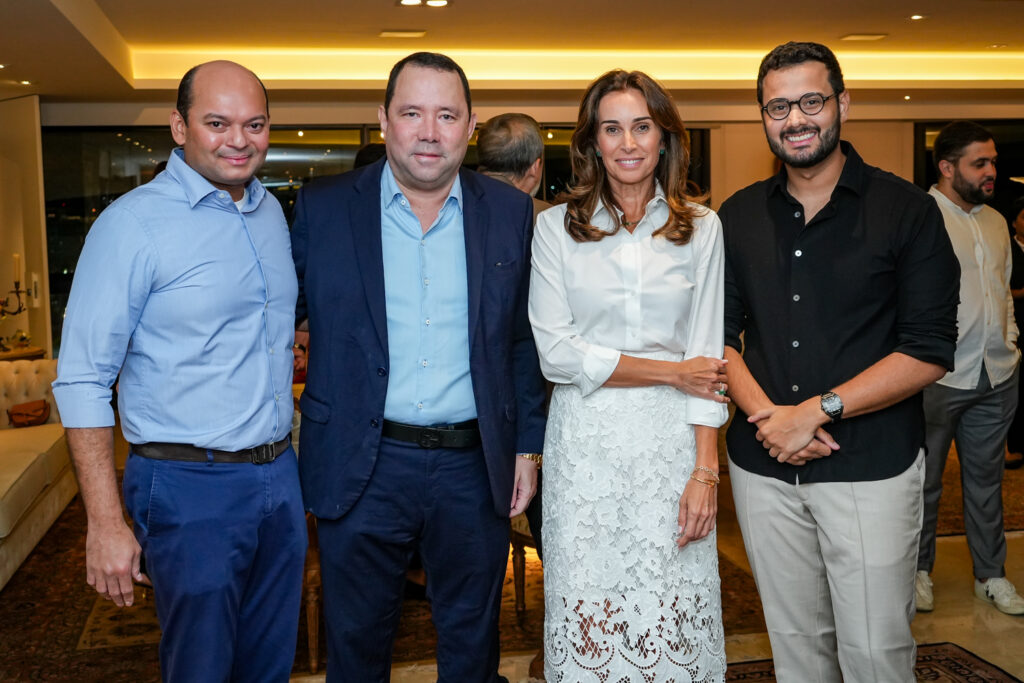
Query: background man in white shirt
x,y
975,403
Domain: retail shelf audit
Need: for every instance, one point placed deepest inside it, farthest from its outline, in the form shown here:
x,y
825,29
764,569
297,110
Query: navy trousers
x,y
437,501
224,545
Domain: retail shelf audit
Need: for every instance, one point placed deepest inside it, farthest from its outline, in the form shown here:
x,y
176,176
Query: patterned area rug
x,y
941,662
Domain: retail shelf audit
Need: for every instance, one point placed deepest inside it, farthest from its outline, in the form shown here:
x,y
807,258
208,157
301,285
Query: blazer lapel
x,y
474,226
364,214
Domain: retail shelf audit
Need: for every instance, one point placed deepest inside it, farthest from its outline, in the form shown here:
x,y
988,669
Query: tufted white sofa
x,y
36,479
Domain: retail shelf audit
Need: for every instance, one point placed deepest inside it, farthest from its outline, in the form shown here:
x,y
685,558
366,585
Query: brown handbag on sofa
x,y
29,414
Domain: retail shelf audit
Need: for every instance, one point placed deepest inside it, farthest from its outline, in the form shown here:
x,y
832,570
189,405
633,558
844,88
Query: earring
x,y
662,151
599,153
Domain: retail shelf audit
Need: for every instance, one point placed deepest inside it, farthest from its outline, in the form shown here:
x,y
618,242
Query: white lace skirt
x,y
623,603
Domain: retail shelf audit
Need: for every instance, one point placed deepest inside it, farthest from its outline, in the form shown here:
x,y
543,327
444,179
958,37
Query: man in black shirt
x,y
843,283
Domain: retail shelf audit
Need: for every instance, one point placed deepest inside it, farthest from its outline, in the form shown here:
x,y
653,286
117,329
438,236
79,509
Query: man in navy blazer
x,y
422,416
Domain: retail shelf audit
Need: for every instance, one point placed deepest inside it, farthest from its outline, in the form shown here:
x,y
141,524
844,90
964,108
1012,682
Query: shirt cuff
x,y
598,365
705,412
83,407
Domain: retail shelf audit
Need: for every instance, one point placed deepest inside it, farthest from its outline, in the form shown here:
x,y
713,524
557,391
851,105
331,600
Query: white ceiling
x,y
82,50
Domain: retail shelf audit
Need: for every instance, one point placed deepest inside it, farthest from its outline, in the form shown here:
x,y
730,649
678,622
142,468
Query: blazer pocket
x,y
315,410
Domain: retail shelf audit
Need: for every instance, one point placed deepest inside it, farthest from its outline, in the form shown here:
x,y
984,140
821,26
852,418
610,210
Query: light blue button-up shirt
x,y
192,300
427,299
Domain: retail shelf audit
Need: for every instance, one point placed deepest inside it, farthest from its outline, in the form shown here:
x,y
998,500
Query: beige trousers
x,y
834,563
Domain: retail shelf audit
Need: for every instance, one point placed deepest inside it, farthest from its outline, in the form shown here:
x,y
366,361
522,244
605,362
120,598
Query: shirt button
x,y
420,406
381,372
426,280
277,397
427,321
424,363
222,195
404,203
798,253
795,387
796,215
796,344
374,422
796,297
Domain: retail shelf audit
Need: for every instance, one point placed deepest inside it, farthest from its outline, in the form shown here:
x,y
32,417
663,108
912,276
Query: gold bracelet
x,y
535,458
714,475
711,484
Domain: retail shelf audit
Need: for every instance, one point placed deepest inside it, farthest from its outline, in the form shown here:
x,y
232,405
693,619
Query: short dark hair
x,y
428,60
1016,208
793,54
184,103
369,153
955,137
509,144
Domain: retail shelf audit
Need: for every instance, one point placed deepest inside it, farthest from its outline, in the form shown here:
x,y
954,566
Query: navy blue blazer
x,y
336,243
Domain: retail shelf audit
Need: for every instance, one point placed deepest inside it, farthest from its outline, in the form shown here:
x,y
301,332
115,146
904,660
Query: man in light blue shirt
x,y
186,288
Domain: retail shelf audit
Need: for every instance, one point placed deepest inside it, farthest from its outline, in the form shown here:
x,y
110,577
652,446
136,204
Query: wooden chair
x,y
520,537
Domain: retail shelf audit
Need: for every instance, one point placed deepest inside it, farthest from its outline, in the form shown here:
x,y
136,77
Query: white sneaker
x,y
1000,593
924,601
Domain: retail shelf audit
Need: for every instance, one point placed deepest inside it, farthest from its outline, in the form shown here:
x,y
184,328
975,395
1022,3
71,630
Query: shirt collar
x,y
658,198
390,192
943,200
852,176
197,188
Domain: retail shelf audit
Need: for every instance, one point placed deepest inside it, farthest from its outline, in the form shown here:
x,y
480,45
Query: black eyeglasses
x,y
810,103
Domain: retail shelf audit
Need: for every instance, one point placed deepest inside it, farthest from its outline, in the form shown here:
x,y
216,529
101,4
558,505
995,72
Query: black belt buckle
x,y
428,438
261,455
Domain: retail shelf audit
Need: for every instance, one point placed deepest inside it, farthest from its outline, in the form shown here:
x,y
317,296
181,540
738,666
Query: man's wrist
x,y
536,458
812,407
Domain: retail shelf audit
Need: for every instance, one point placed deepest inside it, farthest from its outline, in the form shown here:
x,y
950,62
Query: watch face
x,y
831,404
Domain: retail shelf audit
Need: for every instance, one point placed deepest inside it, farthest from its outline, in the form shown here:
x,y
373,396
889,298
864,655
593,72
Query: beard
x,y
972,194
828,139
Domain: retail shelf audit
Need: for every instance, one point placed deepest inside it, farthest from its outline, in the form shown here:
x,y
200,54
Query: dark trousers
x,y
439,502
224,545
978,420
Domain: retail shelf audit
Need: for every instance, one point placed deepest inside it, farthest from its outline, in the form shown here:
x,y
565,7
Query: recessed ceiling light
x,y
997,46
3,66
410,3
25,82
864,36
917,17
301,133
401,34
437,3
906,97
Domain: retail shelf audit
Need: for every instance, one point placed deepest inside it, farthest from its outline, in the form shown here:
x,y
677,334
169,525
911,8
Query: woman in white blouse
x,y
626,308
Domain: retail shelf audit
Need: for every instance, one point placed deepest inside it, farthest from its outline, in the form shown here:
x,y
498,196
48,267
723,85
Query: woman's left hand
x,y
698,508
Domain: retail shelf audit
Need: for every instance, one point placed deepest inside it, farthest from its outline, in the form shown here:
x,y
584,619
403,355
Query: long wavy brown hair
x,y
590,181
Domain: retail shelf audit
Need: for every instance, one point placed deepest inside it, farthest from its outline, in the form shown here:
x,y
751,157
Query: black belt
x,y
258,455
460,435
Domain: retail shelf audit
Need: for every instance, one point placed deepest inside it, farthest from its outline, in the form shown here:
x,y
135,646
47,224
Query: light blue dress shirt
x,y
193,301
427,299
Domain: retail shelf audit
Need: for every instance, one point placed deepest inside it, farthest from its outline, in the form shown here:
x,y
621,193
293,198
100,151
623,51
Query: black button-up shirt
x,y
871,274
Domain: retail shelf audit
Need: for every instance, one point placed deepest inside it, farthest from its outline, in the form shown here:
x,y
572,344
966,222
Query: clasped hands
x,y
794,434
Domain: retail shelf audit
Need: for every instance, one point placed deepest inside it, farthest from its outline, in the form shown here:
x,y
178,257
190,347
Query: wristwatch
x,y
533,457
832,405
